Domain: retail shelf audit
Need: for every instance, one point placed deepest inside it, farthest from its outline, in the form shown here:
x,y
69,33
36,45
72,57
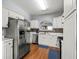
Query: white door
x,y
69,38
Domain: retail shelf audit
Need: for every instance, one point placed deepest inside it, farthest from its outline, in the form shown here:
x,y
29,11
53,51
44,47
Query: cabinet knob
x,y
9,43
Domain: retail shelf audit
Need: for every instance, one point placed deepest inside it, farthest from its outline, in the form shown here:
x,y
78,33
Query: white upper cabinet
x,y
15,15
57,22
69,5
34,24
4,18
21,23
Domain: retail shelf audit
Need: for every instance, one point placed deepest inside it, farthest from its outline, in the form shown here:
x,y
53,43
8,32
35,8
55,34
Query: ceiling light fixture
x,y
42,4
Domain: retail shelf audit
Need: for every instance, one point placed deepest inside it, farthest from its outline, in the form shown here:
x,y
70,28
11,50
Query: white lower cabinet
x,y
7,47
48,40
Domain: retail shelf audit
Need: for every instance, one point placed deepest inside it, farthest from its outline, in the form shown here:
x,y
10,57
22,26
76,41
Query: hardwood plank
x,y
38,52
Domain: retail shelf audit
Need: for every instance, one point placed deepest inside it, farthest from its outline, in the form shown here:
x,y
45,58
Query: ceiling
x,y
30,6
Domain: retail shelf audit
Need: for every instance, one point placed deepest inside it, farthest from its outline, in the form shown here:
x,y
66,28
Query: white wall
x,y
14,7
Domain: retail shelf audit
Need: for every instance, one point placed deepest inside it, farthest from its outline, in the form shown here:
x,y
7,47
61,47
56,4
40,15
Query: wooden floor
x,y
37,53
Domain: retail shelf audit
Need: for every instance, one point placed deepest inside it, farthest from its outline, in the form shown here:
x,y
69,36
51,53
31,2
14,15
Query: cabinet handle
x,y
9,43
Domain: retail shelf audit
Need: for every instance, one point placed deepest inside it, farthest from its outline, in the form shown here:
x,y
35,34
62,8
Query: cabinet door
x,y
8,50
57,22
4,17
54,23
34,24
74,4
4,50
69,35
69,5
